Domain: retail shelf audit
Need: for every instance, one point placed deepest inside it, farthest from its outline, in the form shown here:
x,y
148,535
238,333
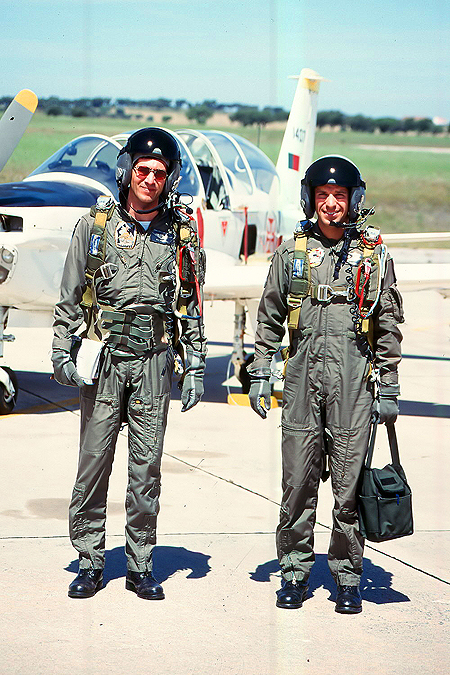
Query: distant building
x,y
440,121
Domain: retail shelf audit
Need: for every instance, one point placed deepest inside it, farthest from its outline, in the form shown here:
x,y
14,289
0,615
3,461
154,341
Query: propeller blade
x,y
14,122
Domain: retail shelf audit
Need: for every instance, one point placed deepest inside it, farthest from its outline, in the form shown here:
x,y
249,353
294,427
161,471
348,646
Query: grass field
x,y
410,189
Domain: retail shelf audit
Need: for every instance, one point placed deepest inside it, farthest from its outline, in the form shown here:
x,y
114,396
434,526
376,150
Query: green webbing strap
x,y
300,281
94,261
187,236
367,323
138,332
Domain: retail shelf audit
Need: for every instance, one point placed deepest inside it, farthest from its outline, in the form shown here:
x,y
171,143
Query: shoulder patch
x,y
316,255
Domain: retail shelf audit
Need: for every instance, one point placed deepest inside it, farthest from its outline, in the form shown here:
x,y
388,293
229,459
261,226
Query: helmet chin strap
x,y
149,211
342,226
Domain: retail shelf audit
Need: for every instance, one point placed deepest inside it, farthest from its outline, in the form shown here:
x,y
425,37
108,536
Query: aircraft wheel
x,y
7,404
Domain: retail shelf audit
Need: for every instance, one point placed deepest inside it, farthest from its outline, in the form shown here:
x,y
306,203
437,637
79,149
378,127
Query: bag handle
x,y
393,445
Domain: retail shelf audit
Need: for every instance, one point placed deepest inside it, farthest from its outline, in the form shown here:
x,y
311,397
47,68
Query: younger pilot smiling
x,y
335,283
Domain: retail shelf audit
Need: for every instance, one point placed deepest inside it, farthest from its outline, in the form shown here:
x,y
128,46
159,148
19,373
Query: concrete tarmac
x,y
216,550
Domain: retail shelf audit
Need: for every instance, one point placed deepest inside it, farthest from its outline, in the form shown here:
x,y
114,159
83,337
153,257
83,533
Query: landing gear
x,y
239,359
9,388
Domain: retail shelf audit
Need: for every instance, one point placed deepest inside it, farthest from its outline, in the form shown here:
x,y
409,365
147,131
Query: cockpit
x,y
228,168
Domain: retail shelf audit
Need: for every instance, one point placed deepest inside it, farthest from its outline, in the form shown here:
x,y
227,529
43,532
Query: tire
x,y
8,406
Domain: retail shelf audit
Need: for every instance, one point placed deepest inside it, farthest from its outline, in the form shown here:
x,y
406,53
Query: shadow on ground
x,y
39,394
376,584
167,561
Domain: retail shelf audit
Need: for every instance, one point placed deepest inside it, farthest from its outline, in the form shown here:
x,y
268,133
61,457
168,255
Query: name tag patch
x,y
125,235
162,236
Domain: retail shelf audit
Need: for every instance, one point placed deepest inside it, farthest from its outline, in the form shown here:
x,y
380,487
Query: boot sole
x,y
131,587
348,610
293,605
74,594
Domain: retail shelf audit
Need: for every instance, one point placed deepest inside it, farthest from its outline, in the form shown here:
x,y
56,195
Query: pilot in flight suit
x,y
135,288
346,309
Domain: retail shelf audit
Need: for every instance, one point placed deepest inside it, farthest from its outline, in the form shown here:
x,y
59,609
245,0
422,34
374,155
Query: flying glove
x,y
192,387
64,369
259,394
387,406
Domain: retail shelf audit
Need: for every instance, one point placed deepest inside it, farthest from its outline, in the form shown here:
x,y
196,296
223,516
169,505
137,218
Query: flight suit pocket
x,y
155,426
397,304
100,421
147,421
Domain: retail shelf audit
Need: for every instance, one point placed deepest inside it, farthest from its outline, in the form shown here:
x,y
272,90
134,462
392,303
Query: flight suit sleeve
x,y
68,315
387,335
272,311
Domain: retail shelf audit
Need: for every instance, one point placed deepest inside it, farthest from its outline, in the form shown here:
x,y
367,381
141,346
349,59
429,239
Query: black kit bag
x,y
384,498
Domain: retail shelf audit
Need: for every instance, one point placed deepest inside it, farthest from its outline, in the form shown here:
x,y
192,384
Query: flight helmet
x,y
336,170
149,142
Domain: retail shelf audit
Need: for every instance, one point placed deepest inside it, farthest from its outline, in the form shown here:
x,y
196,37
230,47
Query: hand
x,y
388,403
64,369
259,395
192,390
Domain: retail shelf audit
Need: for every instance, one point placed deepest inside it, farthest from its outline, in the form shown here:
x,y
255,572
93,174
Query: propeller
x,y
14,122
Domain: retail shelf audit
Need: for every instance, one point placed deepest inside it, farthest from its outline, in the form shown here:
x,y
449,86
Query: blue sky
x,y
385,57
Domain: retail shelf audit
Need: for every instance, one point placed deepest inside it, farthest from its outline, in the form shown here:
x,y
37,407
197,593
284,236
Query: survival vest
x,y
190,263
363,290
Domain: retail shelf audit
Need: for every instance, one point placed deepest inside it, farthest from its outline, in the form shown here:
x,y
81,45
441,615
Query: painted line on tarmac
x,y
258,494
61,405
44,407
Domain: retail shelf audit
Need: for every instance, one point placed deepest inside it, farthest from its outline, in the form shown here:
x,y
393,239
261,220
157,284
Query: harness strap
x,y
188,263
368,292
102,212
300,282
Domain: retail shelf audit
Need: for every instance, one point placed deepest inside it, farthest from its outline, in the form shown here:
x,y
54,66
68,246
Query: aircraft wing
x,y
226,280
14,122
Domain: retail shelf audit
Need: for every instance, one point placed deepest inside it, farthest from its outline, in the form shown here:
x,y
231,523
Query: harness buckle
x,y
324,292
294,302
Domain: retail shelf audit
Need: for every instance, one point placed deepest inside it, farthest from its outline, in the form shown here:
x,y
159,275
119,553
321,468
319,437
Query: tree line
x,y
244,114
335,118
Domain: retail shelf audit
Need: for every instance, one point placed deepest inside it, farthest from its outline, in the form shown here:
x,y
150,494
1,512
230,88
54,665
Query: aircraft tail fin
x,y
298,142
14,122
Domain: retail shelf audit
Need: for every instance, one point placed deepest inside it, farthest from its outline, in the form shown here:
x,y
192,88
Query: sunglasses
x,y
143,171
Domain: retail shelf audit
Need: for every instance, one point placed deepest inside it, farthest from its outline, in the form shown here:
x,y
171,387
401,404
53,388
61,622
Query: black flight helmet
x,y
334,170
151,142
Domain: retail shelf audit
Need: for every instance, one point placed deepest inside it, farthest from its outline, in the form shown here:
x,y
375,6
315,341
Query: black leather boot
x,y
291,595
348,600
144,585
86,583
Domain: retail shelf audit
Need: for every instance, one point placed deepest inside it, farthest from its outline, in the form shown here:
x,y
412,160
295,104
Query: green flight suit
x,y
131,387
327,385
